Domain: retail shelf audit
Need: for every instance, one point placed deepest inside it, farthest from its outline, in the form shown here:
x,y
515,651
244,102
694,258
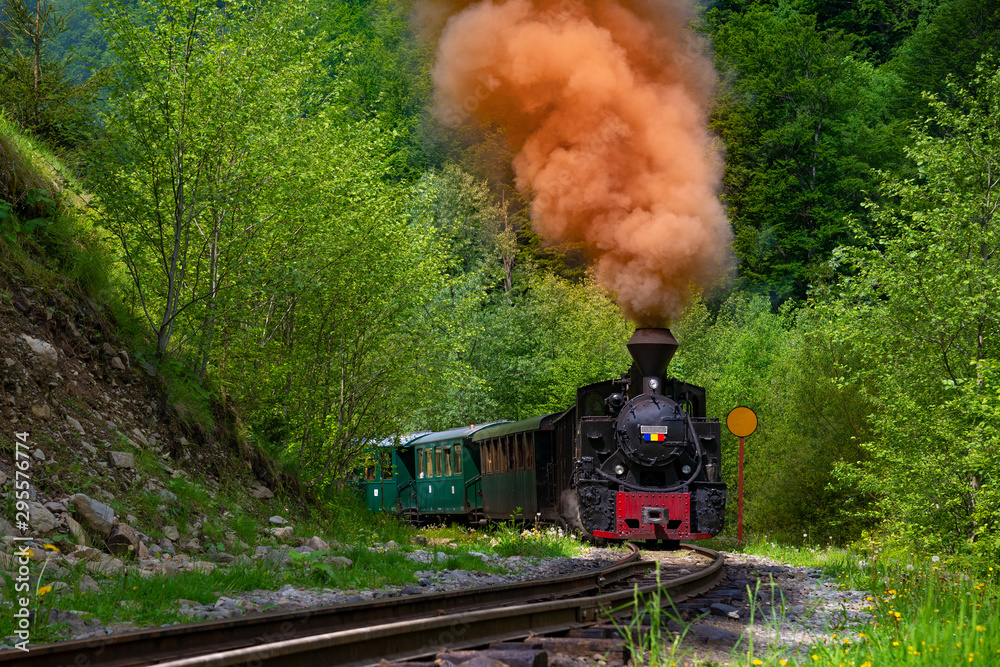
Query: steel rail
x,y
156,645
428,636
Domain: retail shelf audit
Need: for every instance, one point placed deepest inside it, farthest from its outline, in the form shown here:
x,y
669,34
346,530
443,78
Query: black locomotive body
x,y
647,460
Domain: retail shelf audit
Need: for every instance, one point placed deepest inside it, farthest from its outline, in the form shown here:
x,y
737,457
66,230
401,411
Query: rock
x,y
94,514
278,520
122,539
166,496
39,454
167,545
75,424
75,623
41,519
76,532
87,583
142,551
7,530
172,533
340,562
222,558
87,553
41,411
117,364
261,492
109,567
192,545
3,478
140,436
90,448
121,459
124,355
283,532
203,567
108,350
44,351
54,506
719,609
150,371
317,544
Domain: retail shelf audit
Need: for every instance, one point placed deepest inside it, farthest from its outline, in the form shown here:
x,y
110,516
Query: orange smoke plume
x,y
605,104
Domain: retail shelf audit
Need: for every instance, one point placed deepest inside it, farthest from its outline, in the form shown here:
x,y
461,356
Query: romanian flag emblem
x,y
653,433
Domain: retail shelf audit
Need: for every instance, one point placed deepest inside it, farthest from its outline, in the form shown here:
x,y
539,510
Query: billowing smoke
x,y
604,103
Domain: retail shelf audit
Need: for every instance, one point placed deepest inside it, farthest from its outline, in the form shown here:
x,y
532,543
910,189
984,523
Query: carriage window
x,y
438,468
530,454
447,461
503,456
519,450
429,456
458,459
369,472
511,446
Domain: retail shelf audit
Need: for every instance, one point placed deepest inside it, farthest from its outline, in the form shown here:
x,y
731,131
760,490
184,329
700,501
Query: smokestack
x,y
652,350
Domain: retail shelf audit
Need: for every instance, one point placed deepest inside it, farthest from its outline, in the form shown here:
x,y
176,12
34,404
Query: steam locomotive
x,y
634,458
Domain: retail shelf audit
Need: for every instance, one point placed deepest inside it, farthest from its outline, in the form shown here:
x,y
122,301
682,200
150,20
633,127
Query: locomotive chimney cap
x,y
652,350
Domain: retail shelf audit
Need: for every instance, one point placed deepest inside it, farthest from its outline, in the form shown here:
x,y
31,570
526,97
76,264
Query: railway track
x,y
390,629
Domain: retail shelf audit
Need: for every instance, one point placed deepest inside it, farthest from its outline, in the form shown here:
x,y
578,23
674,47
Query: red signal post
x,y
741,422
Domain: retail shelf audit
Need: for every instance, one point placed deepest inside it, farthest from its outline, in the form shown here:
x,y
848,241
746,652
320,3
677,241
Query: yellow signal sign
x,y
741,421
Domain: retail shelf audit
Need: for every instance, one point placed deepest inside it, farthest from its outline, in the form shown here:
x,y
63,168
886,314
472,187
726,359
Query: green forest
x,y
262,195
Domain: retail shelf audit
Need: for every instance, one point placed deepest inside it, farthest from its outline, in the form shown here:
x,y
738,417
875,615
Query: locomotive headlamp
x,y
653,383
686,470
619,470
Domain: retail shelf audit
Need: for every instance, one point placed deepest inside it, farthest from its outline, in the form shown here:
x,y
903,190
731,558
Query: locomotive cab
x,y
647,459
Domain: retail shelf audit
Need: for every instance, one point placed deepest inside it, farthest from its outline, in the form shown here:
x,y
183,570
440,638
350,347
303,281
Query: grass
x,y
925,611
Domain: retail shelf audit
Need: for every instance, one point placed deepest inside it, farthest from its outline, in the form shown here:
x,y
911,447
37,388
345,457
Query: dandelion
x,y
757,661
935,559
895,643
815,657
785,662
909,566
43,590
51,547
980,628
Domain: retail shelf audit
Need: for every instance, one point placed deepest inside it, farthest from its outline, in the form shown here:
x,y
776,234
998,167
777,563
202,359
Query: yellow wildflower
x,y
980,628
51,547
43,590
756,661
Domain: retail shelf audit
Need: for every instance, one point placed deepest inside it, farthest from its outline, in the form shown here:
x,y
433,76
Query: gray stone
x,y
121,459
166,496
75,424
278,520
48,354
117,364
172,533
150,371
192,546
283,532
109,350
75,623
41,410
340,562
39,454
317,543
719,609
122,539
261,492
94,514
90,448
124,355
87,583
54,507
140,436
108,567
221,558
76,532
41,519
3,478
